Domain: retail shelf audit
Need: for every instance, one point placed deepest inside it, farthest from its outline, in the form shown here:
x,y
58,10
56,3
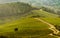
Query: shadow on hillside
x,y
3,36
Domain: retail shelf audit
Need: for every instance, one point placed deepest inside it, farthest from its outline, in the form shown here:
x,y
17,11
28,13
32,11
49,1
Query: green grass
x,y
54,21
27,23
48,17
44,13
30,27
27,27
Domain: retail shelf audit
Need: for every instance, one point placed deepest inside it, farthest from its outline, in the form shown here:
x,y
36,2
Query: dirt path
x,y
52,27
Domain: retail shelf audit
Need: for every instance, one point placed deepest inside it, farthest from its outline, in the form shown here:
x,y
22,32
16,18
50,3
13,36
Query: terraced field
x,y
49,17
27,27
21,22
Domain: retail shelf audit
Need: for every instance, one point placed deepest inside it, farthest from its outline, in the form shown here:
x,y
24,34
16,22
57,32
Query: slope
x,y
51,18
27,27
13,11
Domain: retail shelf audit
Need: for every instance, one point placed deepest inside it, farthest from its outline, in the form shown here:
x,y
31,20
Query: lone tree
x,y
16,29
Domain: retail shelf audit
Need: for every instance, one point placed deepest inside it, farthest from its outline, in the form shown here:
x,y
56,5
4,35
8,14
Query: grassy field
x,y
49,17
27,27
23,20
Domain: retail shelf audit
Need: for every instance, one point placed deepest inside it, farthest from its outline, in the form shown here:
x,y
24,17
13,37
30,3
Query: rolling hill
x,y
22,16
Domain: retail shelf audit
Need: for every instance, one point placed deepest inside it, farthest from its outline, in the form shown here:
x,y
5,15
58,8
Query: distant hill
x,y
13,11
52,3
15,8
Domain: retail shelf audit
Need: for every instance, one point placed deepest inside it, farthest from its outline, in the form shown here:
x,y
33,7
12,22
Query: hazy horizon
x,y
52,3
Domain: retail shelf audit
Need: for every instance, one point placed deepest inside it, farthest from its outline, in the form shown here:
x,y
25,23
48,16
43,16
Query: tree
x,y
16,29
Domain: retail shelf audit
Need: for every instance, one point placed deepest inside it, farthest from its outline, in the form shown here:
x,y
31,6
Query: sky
x,y
34,2
54,3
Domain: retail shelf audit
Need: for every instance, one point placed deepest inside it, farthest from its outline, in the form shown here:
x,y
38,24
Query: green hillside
x,y
48,17
27,27
21,22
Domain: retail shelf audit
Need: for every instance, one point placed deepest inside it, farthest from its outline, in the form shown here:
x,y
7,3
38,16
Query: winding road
x,y
52,27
